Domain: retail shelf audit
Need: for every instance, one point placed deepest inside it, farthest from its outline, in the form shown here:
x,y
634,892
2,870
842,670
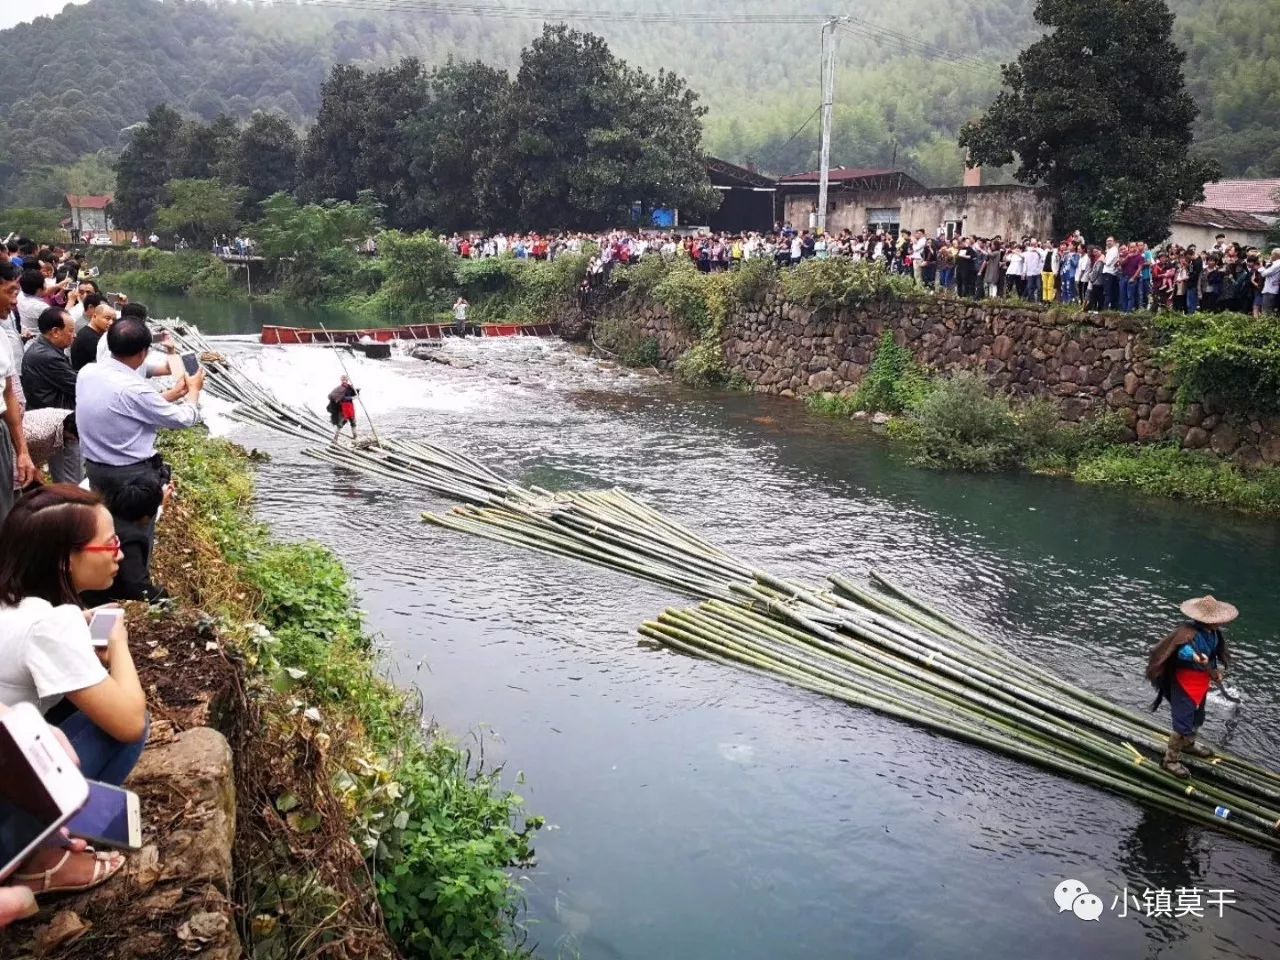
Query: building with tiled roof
x,y
1259,197
1201,225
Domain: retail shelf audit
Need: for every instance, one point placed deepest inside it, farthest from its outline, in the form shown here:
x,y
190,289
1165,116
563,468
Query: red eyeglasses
x,y
111,546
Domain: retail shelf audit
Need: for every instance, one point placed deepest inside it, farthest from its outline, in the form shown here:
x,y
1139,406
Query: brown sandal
x,y
105,866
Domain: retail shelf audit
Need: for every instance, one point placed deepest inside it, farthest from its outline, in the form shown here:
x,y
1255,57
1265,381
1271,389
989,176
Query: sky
x,y
18,11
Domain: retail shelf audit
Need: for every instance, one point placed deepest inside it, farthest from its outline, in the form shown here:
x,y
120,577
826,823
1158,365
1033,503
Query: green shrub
x,y
1167,471
438,834
682,291
480,278
838,283
752,279
961,426
621,336
1229,356
894,382
545,286
418,272
838,405
702,365
642,277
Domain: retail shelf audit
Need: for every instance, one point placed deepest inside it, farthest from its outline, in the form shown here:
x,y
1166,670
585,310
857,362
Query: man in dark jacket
x,y
1182,666
49,380
135,507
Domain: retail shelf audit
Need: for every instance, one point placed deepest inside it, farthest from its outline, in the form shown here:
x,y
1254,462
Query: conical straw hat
x,y
1211,612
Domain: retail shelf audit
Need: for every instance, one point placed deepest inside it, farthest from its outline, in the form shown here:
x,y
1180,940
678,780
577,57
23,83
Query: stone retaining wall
x,y
1086,362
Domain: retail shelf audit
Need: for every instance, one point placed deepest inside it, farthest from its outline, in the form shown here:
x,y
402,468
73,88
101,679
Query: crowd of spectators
x,y
86,387
1108,276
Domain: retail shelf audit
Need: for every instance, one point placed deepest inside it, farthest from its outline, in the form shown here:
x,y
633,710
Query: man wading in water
x,y
342,407
1181,667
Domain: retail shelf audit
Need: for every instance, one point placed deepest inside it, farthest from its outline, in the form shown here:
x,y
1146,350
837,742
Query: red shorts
x,y
348,410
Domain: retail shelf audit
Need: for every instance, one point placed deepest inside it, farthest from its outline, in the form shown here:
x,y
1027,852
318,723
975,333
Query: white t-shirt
x,y
45,652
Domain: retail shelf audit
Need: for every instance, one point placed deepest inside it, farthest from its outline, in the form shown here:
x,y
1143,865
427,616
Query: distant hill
x,y
910,74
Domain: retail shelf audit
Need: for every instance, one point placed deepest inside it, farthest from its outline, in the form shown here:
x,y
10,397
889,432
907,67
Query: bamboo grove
x,y
876,646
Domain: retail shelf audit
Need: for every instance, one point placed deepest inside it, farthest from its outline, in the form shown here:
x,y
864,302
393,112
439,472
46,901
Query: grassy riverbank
x,y
363,824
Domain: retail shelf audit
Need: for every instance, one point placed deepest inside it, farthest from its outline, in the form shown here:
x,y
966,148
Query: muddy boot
x,y
1173,756
1190,747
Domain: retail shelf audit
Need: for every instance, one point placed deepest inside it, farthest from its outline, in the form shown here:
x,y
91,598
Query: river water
x,y
697,812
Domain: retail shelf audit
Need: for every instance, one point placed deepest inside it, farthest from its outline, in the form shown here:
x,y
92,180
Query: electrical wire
x,y
928,51
466,8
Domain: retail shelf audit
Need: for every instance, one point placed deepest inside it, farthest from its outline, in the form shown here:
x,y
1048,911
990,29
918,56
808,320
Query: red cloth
x,y
1194,682
348,410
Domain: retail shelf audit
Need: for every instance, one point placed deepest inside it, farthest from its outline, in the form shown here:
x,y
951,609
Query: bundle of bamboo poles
x,y
885,649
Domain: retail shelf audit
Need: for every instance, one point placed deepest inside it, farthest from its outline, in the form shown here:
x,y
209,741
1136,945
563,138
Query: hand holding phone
x,y
103,624
110,818
191,363
41,787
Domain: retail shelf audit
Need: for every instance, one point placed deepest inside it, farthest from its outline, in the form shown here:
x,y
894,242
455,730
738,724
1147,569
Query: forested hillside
x,y
910,74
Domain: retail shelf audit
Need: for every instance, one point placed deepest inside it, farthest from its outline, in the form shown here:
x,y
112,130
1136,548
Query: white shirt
x,y
1271,278
1109,260
29,310
7,368
1015,265
45,652
118,414
1032,261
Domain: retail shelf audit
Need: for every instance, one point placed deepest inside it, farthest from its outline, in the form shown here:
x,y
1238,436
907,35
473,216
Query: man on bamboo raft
x,y
1182,666
342,407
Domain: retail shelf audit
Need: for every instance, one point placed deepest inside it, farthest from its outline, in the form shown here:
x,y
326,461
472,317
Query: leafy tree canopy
x,y
289,228
199,210
907,78
1102,121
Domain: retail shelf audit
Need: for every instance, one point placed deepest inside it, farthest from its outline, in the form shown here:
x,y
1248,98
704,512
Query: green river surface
x,y
698,812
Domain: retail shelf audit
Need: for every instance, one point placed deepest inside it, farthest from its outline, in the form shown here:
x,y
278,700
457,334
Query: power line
x,y
800,129
928,51
465,8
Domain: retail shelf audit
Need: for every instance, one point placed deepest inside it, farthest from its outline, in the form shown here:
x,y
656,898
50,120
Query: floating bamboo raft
x,y
883,649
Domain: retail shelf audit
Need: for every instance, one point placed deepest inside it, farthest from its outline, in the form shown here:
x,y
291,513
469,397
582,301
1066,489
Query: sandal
x,y
105,866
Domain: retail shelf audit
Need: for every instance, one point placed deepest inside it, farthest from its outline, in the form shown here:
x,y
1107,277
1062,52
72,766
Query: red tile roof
x,y
1196,216
88,203
1251,196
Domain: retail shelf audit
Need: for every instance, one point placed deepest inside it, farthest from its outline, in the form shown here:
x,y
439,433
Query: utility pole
x,y
828,96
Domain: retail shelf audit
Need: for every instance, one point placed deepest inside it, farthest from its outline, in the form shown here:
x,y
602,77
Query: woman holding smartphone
x,y
56,543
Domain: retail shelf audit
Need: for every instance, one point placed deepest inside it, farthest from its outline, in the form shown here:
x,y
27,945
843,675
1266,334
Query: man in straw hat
x,y
1181,667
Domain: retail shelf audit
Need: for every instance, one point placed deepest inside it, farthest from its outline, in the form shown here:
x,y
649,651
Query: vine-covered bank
x,y
363,832
1187,407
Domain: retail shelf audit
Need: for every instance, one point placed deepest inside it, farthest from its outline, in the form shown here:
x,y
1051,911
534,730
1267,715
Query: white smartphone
x,y
40,787
110,818
103,622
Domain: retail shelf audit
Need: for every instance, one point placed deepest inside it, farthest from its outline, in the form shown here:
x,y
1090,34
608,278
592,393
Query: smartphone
x,y
110,818
40,788
103,622
191,362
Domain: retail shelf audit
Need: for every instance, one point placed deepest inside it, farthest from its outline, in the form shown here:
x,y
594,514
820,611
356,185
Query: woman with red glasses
x,y
56,543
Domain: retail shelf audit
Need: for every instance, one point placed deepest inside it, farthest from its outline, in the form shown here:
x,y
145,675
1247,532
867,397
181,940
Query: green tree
x,y
332,149
35,223
266,157
1097,112
291,229
144,168
588,136
205,150
451,137
199,210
